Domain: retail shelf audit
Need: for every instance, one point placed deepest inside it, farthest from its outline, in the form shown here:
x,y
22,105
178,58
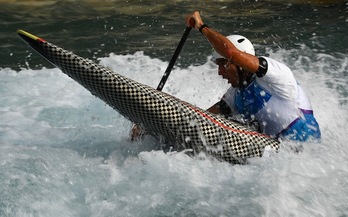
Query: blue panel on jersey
x,y
250,100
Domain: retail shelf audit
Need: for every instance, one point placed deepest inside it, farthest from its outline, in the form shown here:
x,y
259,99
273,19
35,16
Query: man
x,y
263,90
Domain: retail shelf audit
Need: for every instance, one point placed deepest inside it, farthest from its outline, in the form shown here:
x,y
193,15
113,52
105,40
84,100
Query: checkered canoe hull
x,y
164,116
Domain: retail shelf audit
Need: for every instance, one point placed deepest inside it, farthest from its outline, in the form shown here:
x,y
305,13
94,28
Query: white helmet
x,y
241,43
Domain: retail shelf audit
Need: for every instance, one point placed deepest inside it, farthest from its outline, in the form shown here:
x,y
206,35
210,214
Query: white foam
x,y
69,152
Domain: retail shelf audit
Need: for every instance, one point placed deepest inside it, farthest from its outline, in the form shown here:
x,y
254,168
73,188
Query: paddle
x,y
174,57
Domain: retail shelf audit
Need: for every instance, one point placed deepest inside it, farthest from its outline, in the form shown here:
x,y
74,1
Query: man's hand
x,y
136,132
194,20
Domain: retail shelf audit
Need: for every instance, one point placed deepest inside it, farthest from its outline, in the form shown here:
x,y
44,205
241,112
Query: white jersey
x,y
275,100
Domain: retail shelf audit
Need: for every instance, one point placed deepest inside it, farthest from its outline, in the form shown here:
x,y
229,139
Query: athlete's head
x,y
240,42
233,73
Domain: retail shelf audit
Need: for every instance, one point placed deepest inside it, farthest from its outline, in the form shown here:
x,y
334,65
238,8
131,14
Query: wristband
x,y
202,27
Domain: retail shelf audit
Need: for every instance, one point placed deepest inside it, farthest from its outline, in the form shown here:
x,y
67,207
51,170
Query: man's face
x,y
228,71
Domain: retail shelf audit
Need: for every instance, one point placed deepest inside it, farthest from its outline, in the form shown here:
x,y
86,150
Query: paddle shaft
x,y
174,57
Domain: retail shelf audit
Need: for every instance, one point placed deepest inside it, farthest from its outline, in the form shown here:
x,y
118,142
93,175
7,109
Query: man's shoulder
x,y
275,64
279,79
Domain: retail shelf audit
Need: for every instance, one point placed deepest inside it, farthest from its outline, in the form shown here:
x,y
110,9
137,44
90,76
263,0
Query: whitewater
x,y
65,153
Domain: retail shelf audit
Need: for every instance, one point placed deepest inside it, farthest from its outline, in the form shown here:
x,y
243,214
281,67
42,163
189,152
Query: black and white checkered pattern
x,y
163,115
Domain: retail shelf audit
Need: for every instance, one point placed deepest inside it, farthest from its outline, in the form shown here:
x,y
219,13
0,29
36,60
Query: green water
x,y
96,28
